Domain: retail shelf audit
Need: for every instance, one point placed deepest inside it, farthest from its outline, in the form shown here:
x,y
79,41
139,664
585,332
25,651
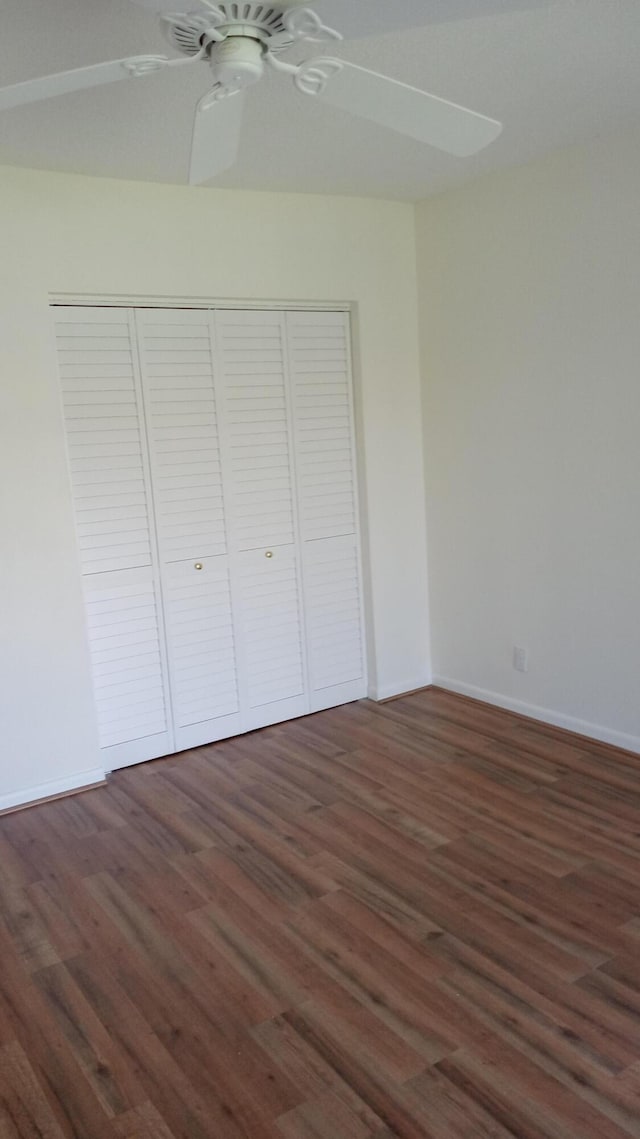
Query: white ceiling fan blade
x,y
79,80
405,109
359,18
216,137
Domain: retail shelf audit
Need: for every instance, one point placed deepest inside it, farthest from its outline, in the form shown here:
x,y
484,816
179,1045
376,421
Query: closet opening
x,y
213,468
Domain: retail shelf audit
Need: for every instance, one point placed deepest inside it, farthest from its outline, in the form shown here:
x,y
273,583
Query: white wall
x,y
530,313
77,235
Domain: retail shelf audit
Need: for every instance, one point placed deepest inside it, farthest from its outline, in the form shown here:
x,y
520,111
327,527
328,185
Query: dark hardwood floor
x,y
420,920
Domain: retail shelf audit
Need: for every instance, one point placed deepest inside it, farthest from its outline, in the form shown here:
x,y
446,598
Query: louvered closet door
x,y
321,385
105,441
262,525
182,424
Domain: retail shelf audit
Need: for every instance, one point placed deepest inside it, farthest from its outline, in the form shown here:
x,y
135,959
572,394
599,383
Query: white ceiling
x,y
556,75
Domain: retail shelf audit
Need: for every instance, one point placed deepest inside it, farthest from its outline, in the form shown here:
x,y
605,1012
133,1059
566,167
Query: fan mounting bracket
x,y
310,77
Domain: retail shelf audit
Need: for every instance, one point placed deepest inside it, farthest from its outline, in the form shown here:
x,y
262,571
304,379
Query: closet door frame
x,y
131,302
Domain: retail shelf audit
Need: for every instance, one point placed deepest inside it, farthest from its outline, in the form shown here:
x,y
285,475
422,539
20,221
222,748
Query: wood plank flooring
x,y
418,920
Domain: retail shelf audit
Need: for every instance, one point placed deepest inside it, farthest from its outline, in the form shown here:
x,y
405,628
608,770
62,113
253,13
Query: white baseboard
x,y
51,789
388,691
545,715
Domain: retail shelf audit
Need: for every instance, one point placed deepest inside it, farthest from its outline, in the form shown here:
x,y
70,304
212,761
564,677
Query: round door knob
x,y
198,566
269,554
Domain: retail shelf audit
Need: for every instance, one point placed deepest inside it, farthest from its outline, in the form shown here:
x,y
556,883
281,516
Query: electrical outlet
x,y
520,659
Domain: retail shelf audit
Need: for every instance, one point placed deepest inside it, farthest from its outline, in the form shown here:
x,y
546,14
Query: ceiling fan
x,y
240,39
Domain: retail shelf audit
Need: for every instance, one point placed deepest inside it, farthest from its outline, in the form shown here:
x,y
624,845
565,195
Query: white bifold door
x,y
214,479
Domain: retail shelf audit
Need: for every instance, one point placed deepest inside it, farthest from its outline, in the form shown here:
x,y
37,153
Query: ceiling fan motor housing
x,y
238,61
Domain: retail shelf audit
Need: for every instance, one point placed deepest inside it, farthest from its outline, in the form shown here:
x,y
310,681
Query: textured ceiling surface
x,y
562,72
